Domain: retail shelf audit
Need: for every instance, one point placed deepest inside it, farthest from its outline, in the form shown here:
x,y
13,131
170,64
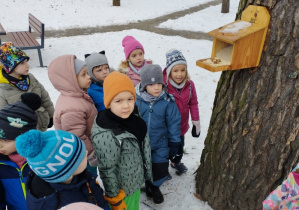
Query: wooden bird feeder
x,y
238,45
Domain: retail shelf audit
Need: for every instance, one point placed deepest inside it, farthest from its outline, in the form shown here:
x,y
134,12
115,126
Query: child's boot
x,y
157,195
148,190
180,167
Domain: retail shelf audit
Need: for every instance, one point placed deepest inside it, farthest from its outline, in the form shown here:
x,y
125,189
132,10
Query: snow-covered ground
x,y
63,14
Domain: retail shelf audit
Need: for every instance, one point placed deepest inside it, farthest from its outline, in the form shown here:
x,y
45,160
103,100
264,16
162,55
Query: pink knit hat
x,y
130,43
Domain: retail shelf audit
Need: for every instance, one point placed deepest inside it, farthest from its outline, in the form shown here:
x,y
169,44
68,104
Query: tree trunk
x,y
252,141
225,6
116,2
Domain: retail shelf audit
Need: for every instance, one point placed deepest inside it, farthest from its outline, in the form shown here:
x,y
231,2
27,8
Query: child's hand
x,y
173,149
196,129
117,202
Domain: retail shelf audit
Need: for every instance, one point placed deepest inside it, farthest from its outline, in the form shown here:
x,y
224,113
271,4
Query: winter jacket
x,y
123,163
186,100
12,184
51,196
95,91
286,195
10,94
74,109
163,124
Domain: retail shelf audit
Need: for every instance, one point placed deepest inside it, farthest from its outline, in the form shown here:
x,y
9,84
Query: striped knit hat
x,y
53,155
174,57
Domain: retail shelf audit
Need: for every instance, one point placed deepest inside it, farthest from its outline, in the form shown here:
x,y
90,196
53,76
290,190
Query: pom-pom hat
x,y
174,57
151,74
53,155
130,43
10,57
115,83
19,117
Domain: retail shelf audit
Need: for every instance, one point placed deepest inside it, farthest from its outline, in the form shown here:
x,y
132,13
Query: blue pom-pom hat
x,y
53,155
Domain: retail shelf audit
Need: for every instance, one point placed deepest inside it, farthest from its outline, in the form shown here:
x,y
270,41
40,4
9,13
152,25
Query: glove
x,y
117,202
50,123
173,149
92,159
196,129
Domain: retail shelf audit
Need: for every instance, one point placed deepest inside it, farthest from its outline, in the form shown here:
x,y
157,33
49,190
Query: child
x,y
163,120
15,119
74,109
122,146
98,69
15,79
134,53
182,88
58,160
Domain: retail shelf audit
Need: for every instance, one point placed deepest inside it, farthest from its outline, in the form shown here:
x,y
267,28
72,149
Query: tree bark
x,y
116,2
225,6
252,142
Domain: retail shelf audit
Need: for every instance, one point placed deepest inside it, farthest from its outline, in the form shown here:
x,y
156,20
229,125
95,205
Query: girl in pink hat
x,y
134,53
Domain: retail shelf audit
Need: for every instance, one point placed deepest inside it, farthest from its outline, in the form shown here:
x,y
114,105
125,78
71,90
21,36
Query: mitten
x,y
173,149
50,123
92,159
117,202
196,129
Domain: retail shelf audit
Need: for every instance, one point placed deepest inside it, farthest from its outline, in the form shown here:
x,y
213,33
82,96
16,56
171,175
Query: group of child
x,y
127,124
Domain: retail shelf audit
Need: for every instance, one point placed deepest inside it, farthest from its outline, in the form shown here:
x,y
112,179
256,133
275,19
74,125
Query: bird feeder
x,y
239,44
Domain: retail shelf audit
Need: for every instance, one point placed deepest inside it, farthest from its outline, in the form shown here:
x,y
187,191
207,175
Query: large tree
x,y
252,141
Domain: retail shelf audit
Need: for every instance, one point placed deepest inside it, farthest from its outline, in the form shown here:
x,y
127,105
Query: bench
x,y
25,40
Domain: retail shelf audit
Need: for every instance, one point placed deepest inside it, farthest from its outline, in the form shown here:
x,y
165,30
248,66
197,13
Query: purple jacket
x,y
186,100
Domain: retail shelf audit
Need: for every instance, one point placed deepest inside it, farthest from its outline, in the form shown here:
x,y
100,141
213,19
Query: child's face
x,y
83,78
122,105
7,147
101,72
154,89
21,69
178,73
82,166
136,57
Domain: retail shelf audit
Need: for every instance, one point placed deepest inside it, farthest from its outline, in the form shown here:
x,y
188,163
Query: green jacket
x,y
122,163
10,94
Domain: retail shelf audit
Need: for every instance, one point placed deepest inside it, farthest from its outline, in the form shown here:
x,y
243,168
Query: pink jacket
x,y
74,109
186,100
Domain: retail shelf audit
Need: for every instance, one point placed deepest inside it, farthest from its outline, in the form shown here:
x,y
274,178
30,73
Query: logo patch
x,y
16,122
153,79
2,134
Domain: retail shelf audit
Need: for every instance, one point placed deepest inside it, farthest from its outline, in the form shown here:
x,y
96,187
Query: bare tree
x,y
225,6
252,141
116,2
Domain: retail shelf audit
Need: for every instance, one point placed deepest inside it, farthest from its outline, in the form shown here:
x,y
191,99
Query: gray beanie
x,y
79,64
174,57
95,59
151,74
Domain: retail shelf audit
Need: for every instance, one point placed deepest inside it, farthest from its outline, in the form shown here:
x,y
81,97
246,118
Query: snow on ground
x,y
57,14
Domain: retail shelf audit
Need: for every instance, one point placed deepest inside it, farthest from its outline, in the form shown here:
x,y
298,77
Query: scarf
x,y
133,124
149,98
136,69
22,84
180,86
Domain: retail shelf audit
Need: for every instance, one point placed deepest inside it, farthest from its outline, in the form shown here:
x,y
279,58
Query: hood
x,y
62,75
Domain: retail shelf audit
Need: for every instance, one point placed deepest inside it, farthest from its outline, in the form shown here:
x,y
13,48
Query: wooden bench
x,y
26,40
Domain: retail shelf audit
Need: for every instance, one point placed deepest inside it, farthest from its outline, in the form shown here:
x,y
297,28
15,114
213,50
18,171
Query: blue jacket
x,y
83,188
163,121
12,184
95,91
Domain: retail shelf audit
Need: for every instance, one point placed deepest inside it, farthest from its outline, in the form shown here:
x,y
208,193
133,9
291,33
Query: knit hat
x,y
53,155
130,43
79,64
81,206
115,83
10,57
173,58
19,117
151,74
95,59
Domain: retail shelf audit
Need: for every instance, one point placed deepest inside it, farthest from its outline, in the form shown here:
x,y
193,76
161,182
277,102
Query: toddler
x,y
74,109
98,69
183,89
134,53
163,119
15,79
15,119
121,143
58,160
